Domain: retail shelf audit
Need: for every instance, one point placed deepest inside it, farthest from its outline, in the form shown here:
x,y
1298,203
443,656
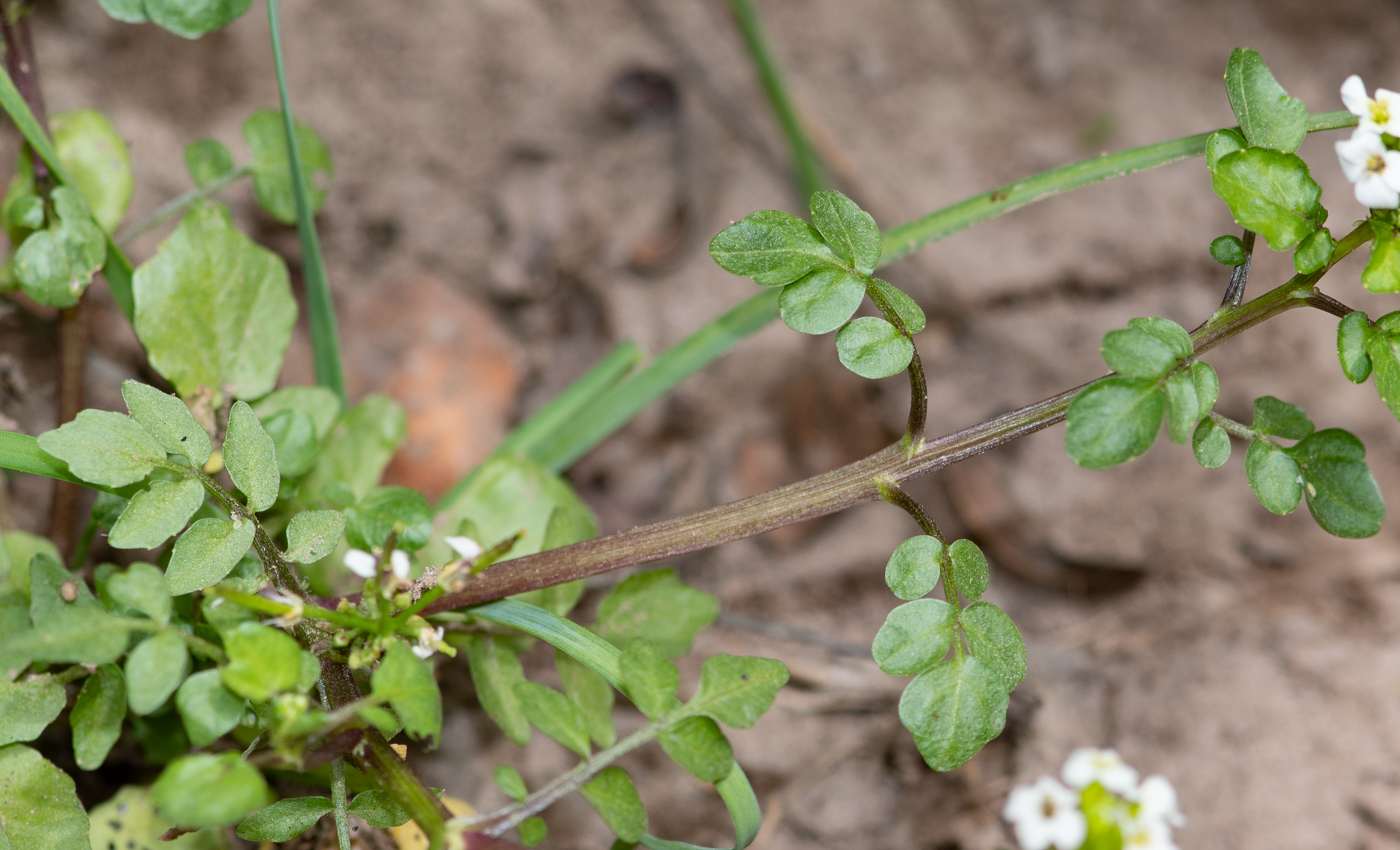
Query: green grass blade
x,y
21,453
320,312
574,640
742,804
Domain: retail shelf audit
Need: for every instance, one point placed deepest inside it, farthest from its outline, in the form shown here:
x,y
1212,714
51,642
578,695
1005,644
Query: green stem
x,y
918,384
203,647
178,204
263,605
320,312
1235,429
342,812
810,174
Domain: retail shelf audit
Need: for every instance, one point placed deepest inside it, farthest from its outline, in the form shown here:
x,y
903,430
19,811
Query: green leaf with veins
x,y
648,679
154,669
27,707
1210,444
873,348
953,710
96,158
312,535
358,448
142,588
822,301
272,182
848,229
1271,193
1207,385
698,745
53,589
915,637
906,308
76,634
370,521
736,690
38,805
1267,115
168,420
969,568
1221,143
771,247
613,796
1382,272
1169,332
262,661
378,809
656,606
1383,349
97,716
193,18
1352,335
914,568
214,309
208,160
1314,252
1137,354
318,403
284,819
157,513
592,694
1280,419
1342,495
407,682
208,790
104,448
995,641
511,782
1183,407
1113,421
294,442
555,715
1227,250
56,264
1273,476
208,709
206,552
495,669
251,458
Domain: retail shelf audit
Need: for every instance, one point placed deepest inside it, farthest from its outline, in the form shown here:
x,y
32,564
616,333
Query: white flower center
x,y
1375,164
1380,112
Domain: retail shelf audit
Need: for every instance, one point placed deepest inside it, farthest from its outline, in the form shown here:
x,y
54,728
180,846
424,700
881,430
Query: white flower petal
x,y
1390,102
423,652
1087,766
399,562
361,563
1157,802
1046,814
1354,96
1373,192
465,547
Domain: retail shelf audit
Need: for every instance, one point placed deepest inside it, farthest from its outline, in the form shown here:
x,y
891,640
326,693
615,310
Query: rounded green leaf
x,y
1223,142
193,18
698,745
38,805
1270,193
312,535
371,520
648,679
142,588
903,306
251,458
28,706
208,160
822,301
613,796
168,420
1207,385
1227,250
1280,419
848,229
533,831
379,809
156,514
771,247
1137,354
97,716
658,607
736,690
208,709
915,637
104,448
511,782
1383,349
555,715
914,568
56,264
127,11
953,710
206,552
1314,252
495,669
96,158
1210,444
995,641
319,403
1342,495
1268,117
272,183
1273,476
1183,407
294,441
262,661
154,669
1169,332
592,694
1382,272
1352,333
873,348
407,682
284,819
208,790
1113,421
969,568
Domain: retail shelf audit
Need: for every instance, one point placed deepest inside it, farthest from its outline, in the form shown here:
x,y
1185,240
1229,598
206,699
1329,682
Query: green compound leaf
x,y
27,707
207,708
737,689
511,782
969,568
1183,407
207,552
38,805
1271,193
1210,444
873,348
555,715
208,790
127,11
407,682
698,745
193,18
168,420
658,608
953,710
613,796
284,819
142,588
312,535
648,679
848,229
1383,349
496,670
592,694
822,301
1273,476
1113,421
154,669
1314,252
1382,272
1207,385
995,641
771,247
378,809
1352,334
1137,354
104,448
272,181
1280,419
214,309
262,661
156,514
915,637
913,569
375,517
97,716
1342,495
1267,115
251,458
208,160
56,264
1221,143
1227,250
903,306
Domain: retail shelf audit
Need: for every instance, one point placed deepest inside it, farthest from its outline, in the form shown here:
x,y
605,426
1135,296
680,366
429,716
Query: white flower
x,y
289,618
398,560
361,563
1154,835
1046,815
1156,799
1374,170
465,547
1381,115
1087,766
428,640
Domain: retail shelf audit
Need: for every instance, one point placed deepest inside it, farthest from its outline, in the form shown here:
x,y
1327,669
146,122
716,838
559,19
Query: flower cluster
x,y
1100,804
1371,157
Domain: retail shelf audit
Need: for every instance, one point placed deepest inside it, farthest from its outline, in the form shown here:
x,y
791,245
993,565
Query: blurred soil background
x,y
521,184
